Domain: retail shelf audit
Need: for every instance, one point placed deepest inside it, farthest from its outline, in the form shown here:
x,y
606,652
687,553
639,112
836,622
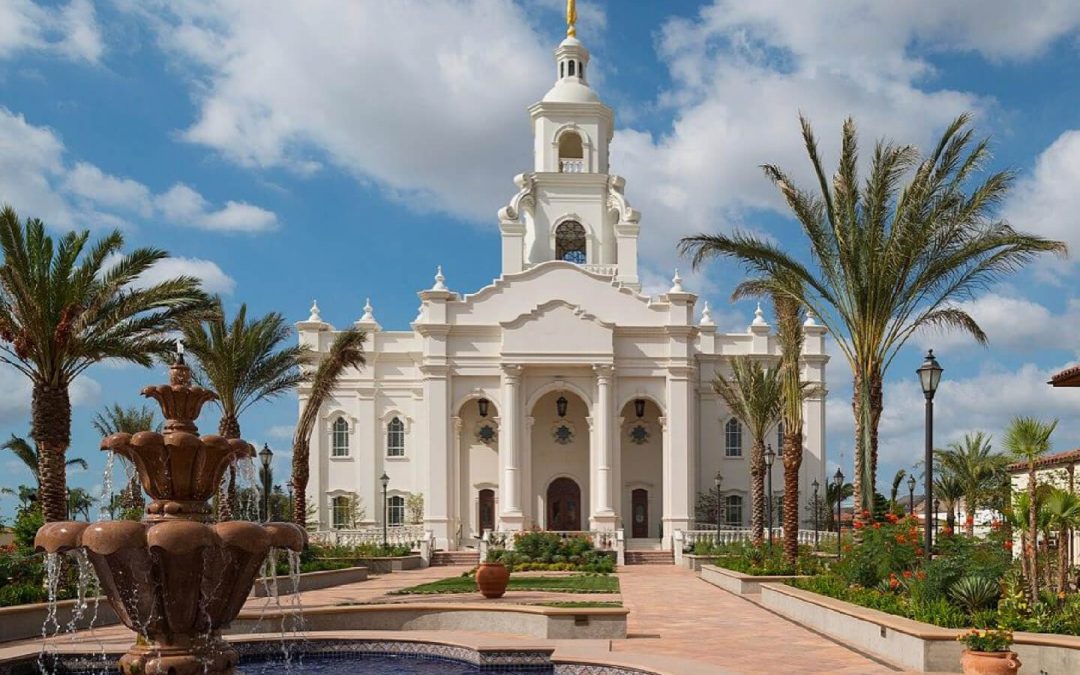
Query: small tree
x,y
414,505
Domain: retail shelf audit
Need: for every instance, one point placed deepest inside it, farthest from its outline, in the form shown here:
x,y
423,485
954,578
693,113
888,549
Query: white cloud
x,y
1046,201
15,393
35,178
70,31
214,280
1012,323
281,431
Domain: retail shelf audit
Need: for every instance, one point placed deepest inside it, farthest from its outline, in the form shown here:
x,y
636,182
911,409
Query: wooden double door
x,y
564,505
639,513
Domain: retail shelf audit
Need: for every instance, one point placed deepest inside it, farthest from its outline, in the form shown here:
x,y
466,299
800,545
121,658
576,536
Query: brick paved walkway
x,y
673,612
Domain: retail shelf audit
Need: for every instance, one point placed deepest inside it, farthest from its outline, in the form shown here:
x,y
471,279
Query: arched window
x,y
733,507
780,440
340,508
571,153
340,445
733,438
571,69
395,438
570,242
395,510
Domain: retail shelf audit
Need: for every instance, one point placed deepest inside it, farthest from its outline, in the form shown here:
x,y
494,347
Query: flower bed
x,y
545,551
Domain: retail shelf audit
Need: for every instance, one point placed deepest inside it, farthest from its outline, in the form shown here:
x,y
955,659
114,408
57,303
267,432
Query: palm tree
x,y
347,351
950,491
117,419
29,456
833,495
891,255
894,489
1027,439
244,362
976,466
753,396
1063,513
789,321
65,306
79,501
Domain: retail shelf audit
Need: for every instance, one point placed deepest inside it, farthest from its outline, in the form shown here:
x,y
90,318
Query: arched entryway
x,y
477,448
641,448
564,505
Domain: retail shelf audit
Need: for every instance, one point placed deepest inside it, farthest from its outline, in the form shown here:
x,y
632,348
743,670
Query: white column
x,y
456,515
679,438
511,517
436,387
603,518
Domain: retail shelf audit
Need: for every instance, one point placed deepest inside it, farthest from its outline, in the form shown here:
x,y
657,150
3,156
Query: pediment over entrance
x,y
513,295
557,327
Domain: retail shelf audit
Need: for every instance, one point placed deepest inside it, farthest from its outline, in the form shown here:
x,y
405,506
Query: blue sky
x,y
342,149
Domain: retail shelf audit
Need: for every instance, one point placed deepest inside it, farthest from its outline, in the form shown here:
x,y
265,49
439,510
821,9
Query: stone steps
x,y
649,557
444,558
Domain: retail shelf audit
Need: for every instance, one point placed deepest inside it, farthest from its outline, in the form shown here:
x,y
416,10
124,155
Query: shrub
x,y
987,640
974,593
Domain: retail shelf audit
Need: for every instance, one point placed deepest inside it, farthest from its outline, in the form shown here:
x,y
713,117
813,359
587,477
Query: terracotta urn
x,y
491,579
989,663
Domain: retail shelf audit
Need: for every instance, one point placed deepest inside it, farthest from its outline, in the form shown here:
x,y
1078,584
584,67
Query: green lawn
x,y
577,583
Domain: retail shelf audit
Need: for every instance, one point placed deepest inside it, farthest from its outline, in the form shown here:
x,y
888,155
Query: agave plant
x,y
974,593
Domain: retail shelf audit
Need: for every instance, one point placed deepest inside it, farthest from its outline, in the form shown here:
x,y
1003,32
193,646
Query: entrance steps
x,y
649,557
643,545
444,558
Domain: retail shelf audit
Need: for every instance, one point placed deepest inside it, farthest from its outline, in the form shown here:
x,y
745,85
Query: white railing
x,y
572,165
606,270
688,538
400,535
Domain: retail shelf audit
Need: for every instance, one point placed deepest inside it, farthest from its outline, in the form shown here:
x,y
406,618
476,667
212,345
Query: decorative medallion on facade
x,y
486,434
563,433
639,434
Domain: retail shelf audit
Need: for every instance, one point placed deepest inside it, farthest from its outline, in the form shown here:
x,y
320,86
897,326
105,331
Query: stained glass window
x,y
570,242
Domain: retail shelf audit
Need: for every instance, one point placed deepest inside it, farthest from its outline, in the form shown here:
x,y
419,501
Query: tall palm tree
x,y
950,491
753,396
347,351
1028,439
117,419
79,501
834,495
244,361
28,455
65,306
890,255
1063,513
894,489
976,466
789,334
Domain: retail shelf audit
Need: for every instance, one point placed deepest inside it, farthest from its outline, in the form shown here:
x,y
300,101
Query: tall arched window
x,y
395,510
570,242
340,445
733,507
571,153
339,511
780,439
395,438
733,438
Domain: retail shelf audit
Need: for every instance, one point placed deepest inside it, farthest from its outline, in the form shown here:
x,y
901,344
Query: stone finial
x,y
706,315
811,321
315,316
759,317
676,283
369,311
440,280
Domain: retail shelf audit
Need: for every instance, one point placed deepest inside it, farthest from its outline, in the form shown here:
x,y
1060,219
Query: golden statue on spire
x,y
571,18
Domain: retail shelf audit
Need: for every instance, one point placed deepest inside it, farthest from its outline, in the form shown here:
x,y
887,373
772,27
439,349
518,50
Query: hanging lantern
x,y
639,407
482,404
560,406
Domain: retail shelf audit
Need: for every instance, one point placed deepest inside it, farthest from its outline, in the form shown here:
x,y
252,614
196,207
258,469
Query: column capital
x,y
512,371
458,423
663,422
604,371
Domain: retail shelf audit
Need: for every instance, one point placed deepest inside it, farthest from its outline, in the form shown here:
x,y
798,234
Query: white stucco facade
x,y
600,412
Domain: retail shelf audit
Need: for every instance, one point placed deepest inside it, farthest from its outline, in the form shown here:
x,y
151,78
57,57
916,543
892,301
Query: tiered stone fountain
x,y
175,578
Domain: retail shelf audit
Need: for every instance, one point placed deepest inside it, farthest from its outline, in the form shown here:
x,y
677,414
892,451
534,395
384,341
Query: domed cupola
x,y
571,59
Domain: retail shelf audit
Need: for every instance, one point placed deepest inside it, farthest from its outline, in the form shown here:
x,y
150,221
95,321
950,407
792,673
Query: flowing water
x,y
105,499
51,626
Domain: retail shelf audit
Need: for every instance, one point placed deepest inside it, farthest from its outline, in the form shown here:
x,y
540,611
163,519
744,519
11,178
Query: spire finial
x,y
369,311
440,280
759,317
676,283
706,315
571,18
315,316
810,319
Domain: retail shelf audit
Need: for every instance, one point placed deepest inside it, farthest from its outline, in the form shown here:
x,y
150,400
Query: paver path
x,y
673,612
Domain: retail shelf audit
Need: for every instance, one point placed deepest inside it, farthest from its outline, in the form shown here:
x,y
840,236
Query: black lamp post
x,y
769,457
816,485
716,484
838,481
385,480
266,456
937,506
929,377
911,494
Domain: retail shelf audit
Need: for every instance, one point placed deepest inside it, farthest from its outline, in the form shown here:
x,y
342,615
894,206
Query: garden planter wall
x,y
310,581
387,565
911,644
20,622
737,582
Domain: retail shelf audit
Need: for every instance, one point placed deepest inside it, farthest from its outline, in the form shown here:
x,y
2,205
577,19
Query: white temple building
x,y
559,396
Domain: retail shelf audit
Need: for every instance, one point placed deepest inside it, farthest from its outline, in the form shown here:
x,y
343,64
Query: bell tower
x,y
569,207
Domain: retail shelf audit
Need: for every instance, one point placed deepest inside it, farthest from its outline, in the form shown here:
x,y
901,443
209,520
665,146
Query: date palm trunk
x,y
51,429
757,491
792,462
1033,535
300,481
867,404
229,427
